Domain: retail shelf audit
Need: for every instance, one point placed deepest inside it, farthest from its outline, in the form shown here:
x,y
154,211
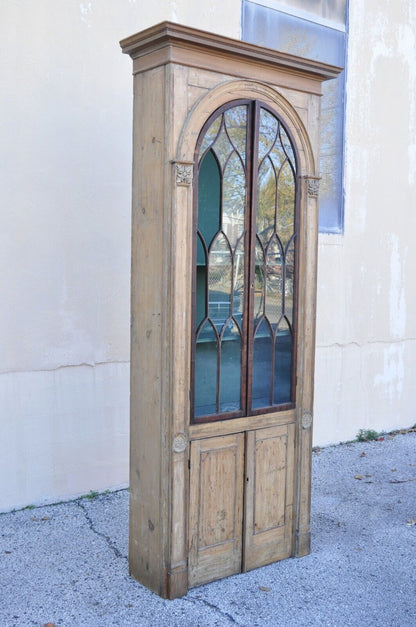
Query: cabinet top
x,y
168,42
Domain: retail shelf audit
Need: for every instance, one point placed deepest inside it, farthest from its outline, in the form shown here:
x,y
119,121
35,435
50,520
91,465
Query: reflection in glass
x,y
283,365
268,129
233,199
278,156
259,282
262,362
266,201
206,371
230,369
274,283
222,147
219,281
210,136
286,204
236,125
289,281
238,287
287,145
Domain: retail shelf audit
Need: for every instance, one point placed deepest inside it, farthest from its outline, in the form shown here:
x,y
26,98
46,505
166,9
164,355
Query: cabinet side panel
x,y
147,509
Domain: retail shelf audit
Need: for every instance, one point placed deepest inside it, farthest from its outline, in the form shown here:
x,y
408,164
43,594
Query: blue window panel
x,y
276,29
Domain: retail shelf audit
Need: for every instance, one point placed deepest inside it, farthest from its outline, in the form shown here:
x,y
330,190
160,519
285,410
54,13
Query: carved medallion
x,y
313,187
183,174
179,443
307,419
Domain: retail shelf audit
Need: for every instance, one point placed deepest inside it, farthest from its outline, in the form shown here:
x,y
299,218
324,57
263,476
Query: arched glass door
x,y
245,264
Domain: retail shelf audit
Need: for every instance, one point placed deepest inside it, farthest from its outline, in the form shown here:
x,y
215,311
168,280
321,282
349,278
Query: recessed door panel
x,y
268,495
216,499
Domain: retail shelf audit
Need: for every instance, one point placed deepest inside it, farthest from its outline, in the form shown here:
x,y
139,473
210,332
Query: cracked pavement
x,y
67,564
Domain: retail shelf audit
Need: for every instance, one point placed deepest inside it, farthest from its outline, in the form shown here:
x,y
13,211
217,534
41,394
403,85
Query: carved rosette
x,y
183,174
313,187
307,420
180,443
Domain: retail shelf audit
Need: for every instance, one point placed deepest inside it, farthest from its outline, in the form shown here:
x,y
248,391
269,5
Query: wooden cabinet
x,y
222,305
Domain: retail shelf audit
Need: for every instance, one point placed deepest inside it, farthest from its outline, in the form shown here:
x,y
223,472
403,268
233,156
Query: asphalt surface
x,y
66,564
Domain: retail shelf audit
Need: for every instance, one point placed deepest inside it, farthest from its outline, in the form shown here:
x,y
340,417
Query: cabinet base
x,y
302,543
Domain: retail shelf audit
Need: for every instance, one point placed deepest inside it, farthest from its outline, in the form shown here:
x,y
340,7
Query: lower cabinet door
x,y
268,515
216,508
256,469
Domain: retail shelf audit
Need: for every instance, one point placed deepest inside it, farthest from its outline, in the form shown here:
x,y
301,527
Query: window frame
x,y
332,206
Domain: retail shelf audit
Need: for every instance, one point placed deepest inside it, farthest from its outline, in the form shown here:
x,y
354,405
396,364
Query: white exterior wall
x,y
366,320
65,121
65,198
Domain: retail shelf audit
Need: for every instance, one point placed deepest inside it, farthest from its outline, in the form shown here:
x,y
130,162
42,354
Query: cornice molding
x,y
169,42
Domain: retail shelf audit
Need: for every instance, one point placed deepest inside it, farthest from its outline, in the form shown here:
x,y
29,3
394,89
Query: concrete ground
x,y
66,564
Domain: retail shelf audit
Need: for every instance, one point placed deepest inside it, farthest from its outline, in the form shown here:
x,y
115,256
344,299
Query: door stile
x,y
246,479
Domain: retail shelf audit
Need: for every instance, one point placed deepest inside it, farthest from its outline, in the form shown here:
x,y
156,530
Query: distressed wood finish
x,y
188,483
269,495
216,508
148,506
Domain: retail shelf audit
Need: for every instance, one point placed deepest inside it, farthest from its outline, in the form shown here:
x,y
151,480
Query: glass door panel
x,y
220,286
275,212
245,278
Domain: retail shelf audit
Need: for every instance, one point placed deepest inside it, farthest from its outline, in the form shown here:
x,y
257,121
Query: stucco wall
x,y
366,322
65,197
65,120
